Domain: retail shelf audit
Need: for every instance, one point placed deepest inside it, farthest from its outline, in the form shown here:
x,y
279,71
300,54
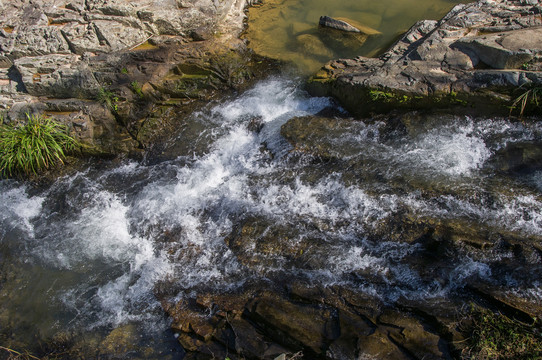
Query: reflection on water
x,y
288,29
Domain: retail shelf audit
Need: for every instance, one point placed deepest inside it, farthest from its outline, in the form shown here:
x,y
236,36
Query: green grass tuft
x,y
27,149
108,98
531,96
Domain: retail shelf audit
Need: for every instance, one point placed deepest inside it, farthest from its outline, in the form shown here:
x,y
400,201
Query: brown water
x,y
288,29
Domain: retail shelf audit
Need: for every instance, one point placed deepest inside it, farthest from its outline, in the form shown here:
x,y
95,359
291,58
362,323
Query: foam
x,y
18,209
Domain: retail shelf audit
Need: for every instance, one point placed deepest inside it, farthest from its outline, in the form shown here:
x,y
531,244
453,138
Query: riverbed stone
x,y
312,45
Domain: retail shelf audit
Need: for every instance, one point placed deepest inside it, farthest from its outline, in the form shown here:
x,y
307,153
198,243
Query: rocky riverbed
x,y
271,224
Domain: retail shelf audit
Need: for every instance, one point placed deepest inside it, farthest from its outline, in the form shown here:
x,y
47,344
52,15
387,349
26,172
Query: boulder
x,y
347,25
506,50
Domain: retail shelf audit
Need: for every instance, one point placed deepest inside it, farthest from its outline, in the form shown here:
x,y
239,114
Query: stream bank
x,y
272,223
476,60
118,74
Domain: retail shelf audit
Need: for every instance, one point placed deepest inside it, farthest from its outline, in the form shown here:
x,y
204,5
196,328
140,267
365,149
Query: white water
x,y
114,235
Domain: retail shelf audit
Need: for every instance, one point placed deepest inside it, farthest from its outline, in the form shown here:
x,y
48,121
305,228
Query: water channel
x,y
81,258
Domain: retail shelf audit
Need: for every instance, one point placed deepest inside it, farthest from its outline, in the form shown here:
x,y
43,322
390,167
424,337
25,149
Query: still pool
x,y
288,29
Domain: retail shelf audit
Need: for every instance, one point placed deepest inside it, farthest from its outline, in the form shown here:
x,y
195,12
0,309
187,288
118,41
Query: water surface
x,y
288,29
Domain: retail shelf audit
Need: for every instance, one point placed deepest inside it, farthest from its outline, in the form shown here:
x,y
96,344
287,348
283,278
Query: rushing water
x,y
85,254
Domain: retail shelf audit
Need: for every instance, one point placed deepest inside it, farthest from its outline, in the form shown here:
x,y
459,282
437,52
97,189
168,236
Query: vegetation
x,y
388,97
495,336
530,96
137,88
108,98
38,144
16,355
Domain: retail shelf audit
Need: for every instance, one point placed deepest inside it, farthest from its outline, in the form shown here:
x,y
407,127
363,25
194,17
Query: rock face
x,y
471,60
69,50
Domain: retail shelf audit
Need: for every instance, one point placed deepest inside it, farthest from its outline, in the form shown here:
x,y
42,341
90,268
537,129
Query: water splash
x,y
111,236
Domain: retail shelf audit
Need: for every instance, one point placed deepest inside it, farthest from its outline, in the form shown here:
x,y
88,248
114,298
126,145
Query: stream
x,y
84,257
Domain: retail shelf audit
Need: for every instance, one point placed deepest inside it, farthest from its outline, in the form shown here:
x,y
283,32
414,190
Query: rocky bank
x,y
477,59
112,69
121,72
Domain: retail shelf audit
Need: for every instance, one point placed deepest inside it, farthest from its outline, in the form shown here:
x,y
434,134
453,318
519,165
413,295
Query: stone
x,y
56,76
295,324
71,49
347,25
508,50
412,335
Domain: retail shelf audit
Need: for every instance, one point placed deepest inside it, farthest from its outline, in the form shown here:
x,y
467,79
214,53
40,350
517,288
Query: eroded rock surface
x,y
57,56
472,60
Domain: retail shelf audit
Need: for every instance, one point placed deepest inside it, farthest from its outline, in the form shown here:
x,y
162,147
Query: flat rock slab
x,y
470,62
506,50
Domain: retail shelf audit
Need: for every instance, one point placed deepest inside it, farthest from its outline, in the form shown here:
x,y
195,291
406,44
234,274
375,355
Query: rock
x,y
120,341
519,157
436,64
347,25
312,45
508,50
61,76
64,50
413,336
296,325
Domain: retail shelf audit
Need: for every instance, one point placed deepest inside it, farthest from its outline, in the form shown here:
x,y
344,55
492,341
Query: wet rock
x,y
297,325
508,302
524,156
412,336
120,341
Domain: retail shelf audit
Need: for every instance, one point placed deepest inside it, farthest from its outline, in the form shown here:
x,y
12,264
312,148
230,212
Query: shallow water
x,y
288,29
86,254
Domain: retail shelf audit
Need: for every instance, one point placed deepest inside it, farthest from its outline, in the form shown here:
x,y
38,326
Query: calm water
x,y
288,29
